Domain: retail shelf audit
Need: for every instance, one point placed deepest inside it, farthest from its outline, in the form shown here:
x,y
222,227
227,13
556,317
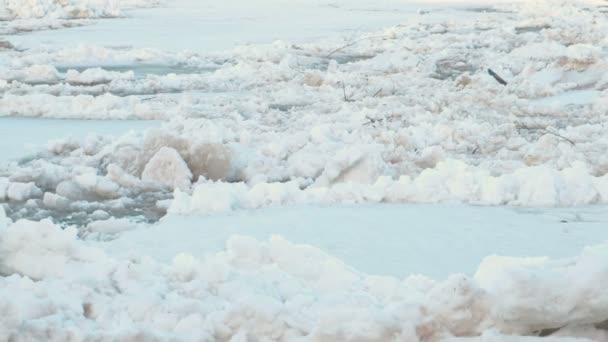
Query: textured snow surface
x,y
57,287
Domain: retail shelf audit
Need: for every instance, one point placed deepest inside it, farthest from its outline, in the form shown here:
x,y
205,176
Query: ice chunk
x,y
36,74
211,161
54,201
94,76
111,226
71,190
353,164
526,295
156,139
102,187
4,183
4,221
23,191
169,169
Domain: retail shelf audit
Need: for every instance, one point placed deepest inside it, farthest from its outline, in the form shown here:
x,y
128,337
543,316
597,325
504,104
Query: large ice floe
x,y
498,105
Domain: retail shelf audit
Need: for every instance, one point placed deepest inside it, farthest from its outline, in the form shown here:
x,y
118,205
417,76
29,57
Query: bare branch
x,y
558,135
351,44
544,129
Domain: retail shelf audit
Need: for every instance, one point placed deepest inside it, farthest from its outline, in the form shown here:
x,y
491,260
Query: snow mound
x,y
530,299
283,291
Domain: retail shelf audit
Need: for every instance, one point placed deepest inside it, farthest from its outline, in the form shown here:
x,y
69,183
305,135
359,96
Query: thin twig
x,y
377,93
351,44
346,99
543,129
558,135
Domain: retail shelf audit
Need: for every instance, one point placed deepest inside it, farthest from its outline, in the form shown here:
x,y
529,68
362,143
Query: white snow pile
x,y
56,287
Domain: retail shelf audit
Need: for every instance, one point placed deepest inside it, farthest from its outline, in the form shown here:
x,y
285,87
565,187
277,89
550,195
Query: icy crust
x,y
57,287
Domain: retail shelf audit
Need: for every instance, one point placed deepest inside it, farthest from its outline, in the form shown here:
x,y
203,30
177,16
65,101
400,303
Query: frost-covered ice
x,y
406,114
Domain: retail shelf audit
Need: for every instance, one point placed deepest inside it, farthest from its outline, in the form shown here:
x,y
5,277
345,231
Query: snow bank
x,y
538,302
281,291
451,180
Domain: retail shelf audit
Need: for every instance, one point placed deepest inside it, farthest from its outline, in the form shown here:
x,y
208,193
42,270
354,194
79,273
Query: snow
x,y
403,99
280,198
450,180
263,288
